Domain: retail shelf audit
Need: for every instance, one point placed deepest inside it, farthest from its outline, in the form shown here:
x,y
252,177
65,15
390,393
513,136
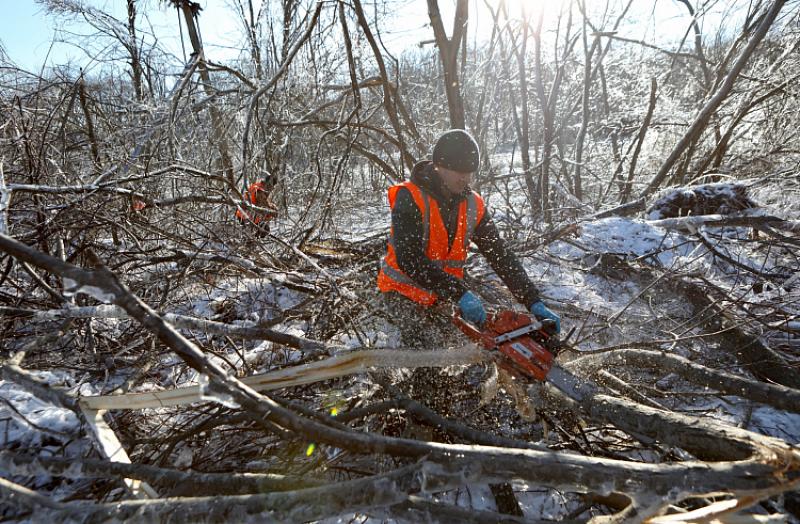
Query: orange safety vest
x,y
470,213
250,195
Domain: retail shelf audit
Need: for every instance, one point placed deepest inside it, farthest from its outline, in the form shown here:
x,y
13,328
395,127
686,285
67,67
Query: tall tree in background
x,y
521,116
251,24
190,12
448,53
133,49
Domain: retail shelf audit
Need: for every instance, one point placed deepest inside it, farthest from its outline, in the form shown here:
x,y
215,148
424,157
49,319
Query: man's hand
x,y
541,312
472,309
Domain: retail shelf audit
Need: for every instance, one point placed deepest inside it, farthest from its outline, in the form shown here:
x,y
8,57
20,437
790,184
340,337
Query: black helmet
x,y
457,150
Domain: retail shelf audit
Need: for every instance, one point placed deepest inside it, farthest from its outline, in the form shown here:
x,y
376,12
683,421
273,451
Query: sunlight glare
x,y
531,8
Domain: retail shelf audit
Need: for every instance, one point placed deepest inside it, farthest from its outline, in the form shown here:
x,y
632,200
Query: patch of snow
x,y
780,424
629,237
88,389
16,434
750,415
72,288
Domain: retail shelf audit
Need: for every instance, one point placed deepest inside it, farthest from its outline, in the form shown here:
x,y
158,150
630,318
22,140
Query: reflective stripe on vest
x,y
450,258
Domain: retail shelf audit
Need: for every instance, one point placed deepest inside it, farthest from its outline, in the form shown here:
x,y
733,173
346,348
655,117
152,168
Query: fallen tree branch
x,y
774,395
704,438
724,510
692,223
749,350
250,332
297,506
450,465
348,363
169,480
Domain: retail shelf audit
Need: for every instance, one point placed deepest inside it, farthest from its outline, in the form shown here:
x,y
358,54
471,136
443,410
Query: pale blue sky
x,y
26,32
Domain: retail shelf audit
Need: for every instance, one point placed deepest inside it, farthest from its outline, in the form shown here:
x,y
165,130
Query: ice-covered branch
x,y
341,365
704,438
692,223
714,101
250,331
171,481
284,66
463,464
775,395
116,190
5,200
294,506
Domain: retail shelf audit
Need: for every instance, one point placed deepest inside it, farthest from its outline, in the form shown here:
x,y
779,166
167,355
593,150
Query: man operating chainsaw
x,y
435,216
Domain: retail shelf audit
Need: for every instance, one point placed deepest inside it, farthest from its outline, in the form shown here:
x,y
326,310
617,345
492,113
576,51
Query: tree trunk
x,y
547,123
216,117
448,54
626,190
133,48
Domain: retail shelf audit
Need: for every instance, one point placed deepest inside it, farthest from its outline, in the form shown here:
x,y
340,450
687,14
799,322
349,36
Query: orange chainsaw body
x,y
517,336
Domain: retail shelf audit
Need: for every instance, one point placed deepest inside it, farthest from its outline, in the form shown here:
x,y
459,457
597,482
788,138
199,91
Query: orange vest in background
x,y
250,196
450,258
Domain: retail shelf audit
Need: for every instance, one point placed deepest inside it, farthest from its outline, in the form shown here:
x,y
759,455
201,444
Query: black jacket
x,y
408,240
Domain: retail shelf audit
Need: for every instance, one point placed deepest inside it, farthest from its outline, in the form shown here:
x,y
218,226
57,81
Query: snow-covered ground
x,y
606,303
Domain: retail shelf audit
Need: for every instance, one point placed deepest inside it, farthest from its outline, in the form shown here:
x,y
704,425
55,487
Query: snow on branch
x,y
114,189
5,199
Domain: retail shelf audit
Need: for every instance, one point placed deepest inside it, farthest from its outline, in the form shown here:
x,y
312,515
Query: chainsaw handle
x,y
549,326
468,329
471,331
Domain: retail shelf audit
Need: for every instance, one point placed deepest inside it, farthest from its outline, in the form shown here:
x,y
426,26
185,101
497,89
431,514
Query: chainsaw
x,y
526,347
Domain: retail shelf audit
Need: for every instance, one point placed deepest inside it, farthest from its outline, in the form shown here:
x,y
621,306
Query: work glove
x,y
472,309
541,312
